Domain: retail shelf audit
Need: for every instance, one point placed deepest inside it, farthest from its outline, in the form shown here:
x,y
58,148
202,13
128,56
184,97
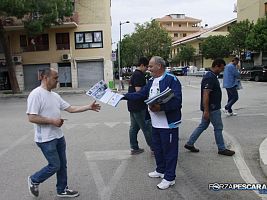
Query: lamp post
x,y
119,55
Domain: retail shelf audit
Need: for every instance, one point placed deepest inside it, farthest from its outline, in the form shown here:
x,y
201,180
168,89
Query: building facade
x,y
253,10
80,49
196,39
179,25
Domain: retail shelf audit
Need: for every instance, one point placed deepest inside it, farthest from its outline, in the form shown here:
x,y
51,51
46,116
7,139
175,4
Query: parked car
x,y
201,72
177,71
256,73
168,69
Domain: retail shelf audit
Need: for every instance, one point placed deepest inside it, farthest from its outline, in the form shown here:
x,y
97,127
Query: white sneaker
x,y
228,113
164,184
225,111
231,114
155,174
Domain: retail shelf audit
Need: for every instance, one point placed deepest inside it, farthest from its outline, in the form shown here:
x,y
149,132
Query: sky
x,y
211,12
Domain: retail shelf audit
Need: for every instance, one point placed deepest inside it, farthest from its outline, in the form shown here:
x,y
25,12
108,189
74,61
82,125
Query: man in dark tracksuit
x,y
165,119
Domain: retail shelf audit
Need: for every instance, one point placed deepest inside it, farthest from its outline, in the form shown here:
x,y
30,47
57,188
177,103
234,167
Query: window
x,y
39,43
62,41
184,34
175,35
87,40
265,8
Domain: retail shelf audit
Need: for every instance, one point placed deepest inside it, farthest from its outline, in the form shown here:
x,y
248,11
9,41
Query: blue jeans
x,y
55,153
232,98
138,122
165,146
216,121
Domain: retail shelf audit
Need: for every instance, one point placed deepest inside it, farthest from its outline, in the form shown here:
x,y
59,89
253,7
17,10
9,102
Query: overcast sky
x,y
211,12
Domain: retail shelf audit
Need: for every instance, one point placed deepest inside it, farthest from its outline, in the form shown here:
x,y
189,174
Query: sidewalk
x,y
263,156
24,94
61,91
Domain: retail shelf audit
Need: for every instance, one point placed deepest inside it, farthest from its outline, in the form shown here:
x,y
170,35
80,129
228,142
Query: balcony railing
x,y
35,48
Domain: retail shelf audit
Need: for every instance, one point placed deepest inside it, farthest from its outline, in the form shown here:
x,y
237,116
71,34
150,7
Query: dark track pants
x,y
165,146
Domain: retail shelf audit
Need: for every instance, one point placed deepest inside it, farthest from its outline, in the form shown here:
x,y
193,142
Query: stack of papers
x,y
101,92
161,98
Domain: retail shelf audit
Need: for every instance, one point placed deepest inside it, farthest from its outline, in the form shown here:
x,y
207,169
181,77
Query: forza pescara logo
x,y
261,187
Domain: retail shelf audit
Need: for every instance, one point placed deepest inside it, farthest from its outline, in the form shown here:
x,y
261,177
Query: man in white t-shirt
x,y
43,109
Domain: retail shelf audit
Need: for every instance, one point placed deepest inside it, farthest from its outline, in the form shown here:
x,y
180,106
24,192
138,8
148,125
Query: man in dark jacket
x,y
165,119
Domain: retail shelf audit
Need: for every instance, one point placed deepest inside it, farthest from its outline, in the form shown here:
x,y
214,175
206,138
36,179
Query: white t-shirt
x,y
158,119
47,104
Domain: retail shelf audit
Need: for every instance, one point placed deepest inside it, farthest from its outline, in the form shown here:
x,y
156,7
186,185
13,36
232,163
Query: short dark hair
x,y
235,59
218,62
143,60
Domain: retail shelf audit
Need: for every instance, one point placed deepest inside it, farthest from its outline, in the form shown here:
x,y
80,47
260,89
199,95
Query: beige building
x,y
80,48
253,10
179,25
196,39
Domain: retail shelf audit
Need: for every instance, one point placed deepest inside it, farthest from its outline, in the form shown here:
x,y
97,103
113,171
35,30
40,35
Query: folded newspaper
x,y
161,98
101,92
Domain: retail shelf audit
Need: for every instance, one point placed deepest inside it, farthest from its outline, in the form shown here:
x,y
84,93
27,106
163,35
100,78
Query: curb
x,y
263,156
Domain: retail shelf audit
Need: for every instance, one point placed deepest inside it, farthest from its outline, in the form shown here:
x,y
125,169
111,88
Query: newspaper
x,y
101,92
161,98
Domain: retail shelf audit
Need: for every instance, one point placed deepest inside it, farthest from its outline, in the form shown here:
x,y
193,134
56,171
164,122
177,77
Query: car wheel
x,y
257,78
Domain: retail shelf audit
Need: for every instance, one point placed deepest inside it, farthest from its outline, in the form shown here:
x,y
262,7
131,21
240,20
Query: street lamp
x,y
119,55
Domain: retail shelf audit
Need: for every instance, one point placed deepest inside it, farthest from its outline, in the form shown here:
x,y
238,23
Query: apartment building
x,y
179,25
80,49
253,10
196,39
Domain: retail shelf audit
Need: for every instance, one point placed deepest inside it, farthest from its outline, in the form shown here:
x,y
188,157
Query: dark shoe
x,y
136,151
33,188
226,152
68,193
191,148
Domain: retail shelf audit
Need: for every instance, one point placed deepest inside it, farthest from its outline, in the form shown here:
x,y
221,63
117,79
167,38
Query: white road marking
x,y
107,155
91,125
105,191
69,126
241,164
111,124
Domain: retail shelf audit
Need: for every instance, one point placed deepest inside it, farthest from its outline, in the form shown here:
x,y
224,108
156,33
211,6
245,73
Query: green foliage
x,y
186,53
147,40
215,47
36,14
257,38
238,34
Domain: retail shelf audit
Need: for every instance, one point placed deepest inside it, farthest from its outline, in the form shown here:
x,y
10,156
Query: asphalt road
x,y
101,168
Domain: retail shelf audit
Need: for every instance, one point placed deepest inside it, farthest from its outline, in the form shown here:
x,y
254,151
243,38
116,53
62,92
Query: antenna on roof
x,y
235,8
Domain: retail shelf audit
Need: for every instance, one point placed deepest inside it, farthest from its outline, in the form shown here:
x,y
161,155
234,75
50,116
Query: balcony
x,y
181,29
12,23
35,48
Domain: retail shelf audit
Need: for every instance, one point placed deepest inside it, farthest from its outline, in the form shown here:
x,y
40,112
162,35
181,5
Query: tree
x,y
238,34
186,53
36,16
149,39
257,37
215,47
